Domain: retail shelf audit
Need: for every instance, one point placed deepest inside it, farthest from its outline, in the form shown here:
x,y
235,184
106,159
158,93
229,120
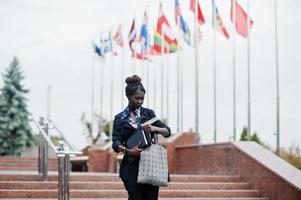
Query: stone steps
x,y
259,198
18,193
20,185
20,163
25,185
114,178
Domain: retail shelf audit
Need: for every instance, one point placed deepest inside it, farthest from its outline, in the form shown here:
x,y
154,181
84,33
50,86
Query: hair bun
x,y
133,80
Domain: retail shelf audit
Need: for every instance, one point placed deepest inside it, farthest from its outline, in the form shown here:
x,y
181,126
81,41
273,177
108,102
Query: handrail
x,y
49,142
73,147
63,154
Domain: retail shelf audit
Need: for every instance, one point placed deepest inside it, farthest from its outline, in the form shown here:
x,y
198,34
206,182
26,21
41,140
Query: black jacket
x,y
122,130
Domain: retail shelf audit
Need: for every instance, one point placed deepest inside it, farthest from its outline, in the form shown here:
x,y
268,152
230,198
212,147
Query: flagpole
x,y
48,101
147,80
249,75
135,55
181,89
178,82
155,84
147,59
122,74
214,69
167,85
111,98
101,96
162,74
196,77
277,83
92,92
122,79
234,68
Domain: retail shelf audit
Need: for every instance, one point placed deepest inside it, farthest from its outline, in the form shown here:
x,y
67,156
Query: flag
x,y
181,23
218,24
97,49
201,18
132,35
241,20
106,44
168,38
140,56
118,36
144,37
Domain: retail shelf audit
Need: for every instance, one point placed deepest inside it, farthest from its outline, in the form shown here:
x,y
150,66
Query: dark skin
x,y
136,101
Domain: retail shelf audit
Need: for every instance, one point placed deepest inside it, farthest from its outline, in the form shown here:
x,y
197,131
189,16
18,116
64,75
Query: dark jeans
x,y
150,194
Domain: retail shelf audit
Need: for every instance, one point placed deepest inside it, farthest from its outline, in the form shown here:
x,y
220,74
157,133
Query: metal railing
x,y
64,150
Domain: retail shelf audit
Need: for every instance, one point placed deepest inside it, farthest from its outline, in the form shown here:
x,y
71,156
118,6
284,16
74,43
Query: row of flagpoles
x,y
165,42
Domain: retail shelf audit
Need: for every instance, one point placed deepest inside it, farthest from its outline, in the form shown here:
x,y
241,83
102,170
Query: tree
x,y
15,131
254,136
103,126
244,134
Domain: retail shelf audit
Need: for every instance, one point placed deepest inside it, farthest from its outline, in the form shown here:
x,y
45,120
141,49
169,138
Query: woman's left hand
x,y
149,128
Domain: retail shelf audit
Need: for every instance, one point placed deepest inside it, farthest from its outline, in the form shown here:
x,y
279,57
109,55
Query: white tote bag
x,y
153,166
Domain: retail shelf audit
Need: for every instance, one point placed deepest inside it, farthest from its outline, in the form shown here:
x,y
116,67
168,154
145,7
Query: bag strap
x,y
156,139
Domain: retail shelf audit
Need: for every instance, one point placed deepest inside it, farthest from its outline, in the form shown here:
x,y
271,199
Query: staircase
x,y
104,186
22,163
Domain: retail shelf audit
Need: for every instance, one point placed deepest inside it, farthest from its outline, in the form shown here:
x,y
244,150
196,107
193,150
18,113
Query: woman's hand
x,y
135,151
149,128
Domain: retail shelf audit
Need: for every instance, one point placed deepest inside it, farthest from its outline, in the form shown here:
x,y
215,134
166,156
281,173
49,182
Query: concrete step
x,y
21,163
26,185
86,177
29,168
7,159
233,198
123,194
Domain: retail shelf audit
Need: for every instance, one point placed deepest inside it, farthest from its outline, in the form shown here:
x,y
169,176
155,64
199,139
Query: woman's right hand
x,y
135,151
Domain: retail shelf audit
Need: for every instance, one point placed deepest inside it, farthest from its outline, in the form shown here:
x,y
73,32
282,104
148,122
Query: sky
x,y
52,40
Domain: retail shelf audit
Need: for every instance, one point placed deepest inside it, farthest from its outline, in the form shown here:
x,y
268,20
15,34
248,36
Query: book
x,y
139,136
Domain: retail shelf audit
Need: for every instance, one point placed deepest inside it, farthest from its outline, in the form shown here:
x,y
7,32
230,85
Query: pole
x,y
249,75
162,74
214,71
101,97
92,92
167,86
196,75
234,69
122,80
277,83
147,80
155,83
111,99
178,83
181,90
48,101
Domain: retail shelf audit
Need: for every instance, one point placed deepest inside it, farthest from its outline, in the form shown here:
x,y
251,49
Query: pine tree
x,y
15,131
244,134
254,137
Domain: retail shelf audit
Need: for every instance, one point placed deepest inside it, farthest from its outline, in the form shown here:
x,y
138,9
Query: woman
x,y
125,124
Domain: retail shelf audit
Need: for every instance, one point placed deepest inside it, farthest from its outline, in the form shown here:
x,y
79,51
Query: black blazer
x,y
122,130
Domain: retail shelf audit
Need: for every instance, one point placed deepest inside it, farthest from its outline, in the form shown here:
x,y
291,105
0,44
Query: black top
x,y
122,130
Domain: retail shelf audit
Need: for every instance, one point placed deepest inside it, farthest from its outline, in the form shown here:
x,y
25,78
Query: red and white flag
x,y
132,36
168,37
118,36
219,25
201,18
241,19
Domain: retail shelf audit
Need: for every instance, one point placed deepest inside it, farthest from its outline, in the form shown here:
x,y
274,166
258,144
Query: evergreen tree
x,y
244,134
15,132
254,137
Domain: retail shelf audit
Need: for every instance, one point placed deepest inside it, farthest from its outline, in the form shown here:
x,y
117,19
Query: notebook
x,y
139,136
